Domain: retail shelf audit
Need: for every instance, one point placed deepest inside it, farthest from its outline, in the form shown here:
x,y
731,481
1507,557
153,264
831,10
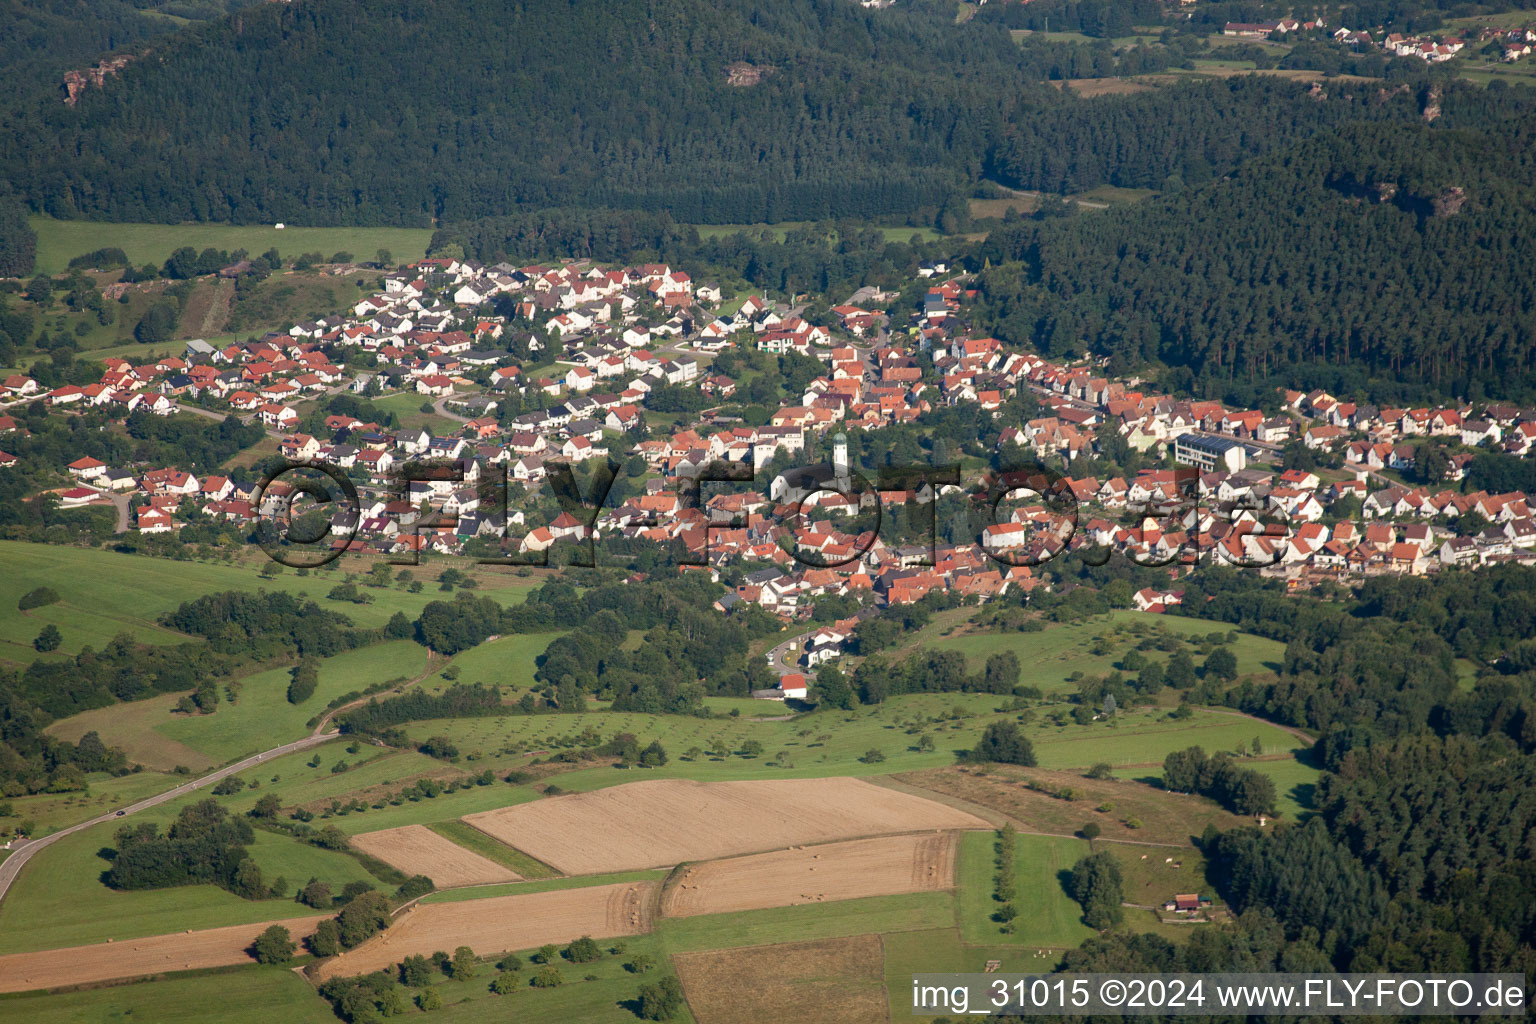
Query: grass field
x,y
1052,656
1132,811
1294,782
940,950
243,995
58,241
261,717
481,892
838,743
406,405
43,910
608,998
104,593
1047,915
509,661
53,811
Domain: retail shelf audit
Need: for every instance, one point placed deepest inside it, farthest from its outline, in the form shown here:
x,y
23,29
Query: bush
x,y
416,885
662,1000
305,677
49,639
37,598
463,965
273,946
583,951
1003,742
548,977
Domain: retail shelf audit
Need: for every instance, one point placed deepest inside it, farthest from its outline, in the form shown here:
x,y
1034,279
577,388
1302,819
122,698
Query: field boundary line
x,y
553,871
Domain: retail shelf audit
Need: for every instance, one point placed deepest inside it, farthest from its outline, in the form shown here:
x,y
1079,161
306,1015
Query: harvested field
x,y
502,923
831,981
417,850
887,866
136,958
668,821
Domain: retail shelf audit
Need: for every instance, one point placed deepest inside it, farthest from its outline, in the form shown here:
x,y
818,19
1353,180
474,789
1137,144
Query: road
x,y
783,660
22,852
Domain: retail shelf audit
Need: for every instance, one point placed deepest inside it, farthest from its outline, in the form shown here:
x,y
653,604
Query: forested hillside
x,y
1389,258
730,112
39,39
299,111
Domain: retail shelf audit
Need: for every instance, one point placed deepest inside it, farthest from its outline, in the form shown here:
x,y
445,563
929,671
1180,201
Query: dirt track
x,y
417,850
668,821
133,958
502,923
885,866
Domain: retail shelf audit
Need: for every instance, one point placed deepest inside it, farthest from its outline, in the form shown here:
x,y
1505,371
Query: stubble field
x,y
417,850
503,923
668,821
132,958
885,866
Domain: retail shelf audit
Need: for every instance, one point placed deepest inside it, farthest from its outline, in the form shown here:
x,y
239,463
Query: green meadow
x,y
839,742
59,241
600,992
105,593
1052,656
1047,915
243,995
259,717
43,910
53,811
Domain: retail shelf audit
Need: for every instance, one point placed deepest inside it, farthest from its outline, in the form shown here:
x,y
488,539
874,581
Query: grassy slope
x,y
52,811
105,593
58,241
1053,654
263,717
153,733
1136,739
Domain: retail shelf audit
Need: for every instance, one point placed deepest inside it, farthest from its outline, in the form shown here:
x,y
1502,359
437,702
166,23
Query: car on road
x,y
120,814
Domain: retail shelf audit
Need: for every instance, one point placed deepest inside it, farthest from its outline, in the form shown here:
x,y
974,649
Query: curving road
x,y
22,852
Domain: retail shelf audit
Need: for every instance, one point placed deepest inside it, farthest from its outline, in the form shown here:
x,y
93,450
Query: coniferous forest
x,y
298,112
1388,258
